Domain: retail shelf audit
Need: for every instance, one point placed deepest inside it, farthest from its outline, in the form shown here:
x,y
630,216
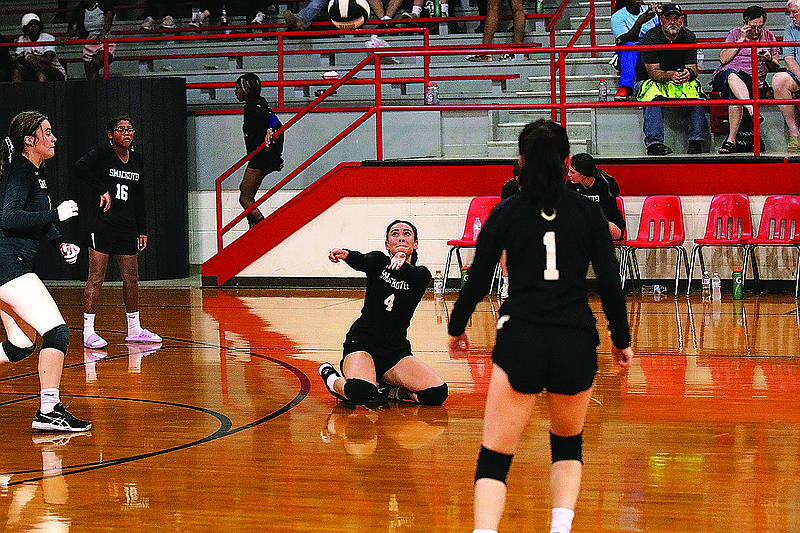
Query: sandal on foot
x,y
143,336
727,148
94,341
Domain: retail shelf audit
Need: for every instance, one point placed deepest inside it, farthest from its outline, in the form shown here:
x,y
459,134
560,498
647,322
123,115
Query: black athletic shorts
x,y
560,359
384,358
265,160
114,242
12,266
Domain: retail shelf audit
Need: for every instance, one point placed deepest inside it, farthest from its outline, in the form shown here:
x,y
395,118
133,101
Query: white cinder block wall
x,y
360,223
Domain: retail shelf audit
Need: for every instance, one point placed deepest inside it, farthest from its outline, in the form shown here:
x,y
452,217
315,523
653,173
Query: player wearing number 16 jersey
x,y
115,173
376,349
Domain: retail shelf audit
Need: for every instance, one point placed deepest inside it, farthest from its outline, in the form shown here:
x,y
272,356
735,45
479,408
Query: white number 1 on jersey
x,y
551,272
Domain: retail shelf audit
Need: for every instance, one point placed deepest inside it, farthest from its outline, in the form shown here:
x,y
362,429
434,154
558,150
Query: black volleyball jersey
x,y
103,170
391,298
27,214
258,117
547,265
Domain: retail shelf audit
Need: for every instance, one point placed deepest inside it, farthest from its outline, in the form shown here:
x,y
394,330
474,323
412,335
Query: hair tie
x,y
10,148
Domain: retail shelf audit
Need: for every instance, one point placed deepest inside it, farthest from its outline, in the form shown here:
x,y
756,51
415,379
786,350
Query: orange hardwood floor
x,y
226,426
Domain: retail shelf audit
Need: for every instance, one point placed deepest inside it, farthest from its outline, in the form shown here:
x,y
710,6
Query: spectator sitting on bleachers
x,y
669,74
733,78
158,9
386,10
786,84
629,23
39,62
92,19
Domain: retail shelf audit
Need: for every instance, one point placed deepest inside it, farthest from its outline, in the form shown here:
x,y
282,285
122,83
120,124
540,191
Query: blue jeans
x,y
694,117
627,66
310,13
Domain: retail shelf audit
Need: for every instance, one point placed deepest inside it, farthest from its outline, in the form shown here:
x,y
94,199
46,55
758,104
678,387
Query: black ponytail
x,y
544,147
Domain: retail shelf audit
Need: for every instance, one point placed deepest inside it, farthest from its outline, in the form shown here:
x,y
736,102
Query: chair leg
x,y
754,259
695,251
447,264
797,275
681,253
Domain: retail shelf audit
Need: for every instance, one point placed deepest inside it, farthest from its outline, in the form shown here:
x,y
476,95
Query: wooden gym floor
x,y
228,427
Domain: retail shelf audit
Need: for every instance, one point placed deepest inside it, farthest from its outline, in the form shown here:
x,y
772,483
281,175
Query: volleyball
x,y
348,14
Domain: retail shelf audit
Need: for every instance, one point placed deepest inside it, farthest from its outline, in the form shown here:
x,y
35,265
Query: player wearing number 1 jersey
x,y
546,334
377,358
115,172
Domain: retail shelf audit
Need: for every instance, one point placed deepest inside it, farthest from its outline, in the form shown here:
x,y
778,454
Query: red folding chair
x,y
479,207
660,226
729,224
779,226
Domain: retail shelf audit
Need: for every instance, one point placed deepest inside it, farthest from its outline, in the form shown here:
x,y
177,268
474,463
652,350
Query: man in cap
x,y
666,74
37,62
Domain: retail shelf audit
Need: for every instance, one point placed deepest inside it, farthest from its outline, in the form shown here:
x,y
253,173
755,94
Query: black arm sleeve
x,y
15,217
87,168
606,269
487,255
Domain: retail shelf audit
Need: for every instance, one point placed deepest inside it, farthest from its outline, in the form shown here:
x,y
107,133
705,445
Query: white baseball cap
x,y
30,17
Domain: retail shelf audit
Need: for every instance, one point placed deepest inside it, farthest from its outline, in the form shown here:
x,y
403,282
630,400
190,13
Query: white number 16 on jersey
x,y
550,272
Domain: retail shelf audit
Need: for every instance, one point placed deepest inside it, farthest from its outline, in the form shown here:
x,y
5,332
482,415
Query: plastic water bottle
x,y
438,283
429,94
716,288
223,20
653,289
435,90
476,228
700,57
706,286
602,91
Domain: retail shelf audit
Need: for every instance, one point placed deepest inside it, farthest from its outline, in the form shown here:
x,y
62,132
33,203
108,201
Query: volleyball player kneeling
x,y
26,306
376,349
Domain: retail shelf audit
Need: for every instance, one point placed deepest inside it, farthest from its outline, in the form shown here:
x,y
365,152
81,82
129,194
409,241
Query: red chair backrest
x,y
780,218
621,207
662,220
480,207
729,217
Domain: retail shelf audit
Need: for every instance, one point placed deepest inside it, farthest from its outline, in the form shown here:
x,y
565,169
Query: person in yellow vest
x,y
670,73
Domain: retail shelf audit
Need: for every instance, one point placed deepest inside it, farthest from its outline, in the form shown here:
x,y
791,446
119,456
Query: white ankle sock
x,y
331,380
417,10
88,324
134,327
48,398
562,520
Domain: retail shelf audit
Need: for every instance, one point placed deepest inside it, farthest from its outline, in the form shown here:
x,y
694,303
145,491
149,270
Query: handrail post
x,y
562,79
593,25
378,113
105,58
756,95
218,190
280,72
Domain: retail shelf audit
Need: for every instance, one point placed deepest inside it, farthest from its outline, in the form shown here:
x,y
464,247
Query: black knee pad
x,y
433,395
15,353
566,448
57,338
359,391
492,465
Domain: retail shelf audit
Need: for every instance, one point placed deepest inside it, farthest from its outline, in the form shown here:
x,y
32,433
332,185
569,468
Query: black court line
x,y
224,430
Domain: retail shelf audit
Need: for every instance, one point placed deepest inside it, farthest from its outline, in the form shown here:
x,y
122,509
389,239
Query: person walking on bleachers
x,y
490,26
668,74
39,62
92,19
786,84
629,23
733,78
